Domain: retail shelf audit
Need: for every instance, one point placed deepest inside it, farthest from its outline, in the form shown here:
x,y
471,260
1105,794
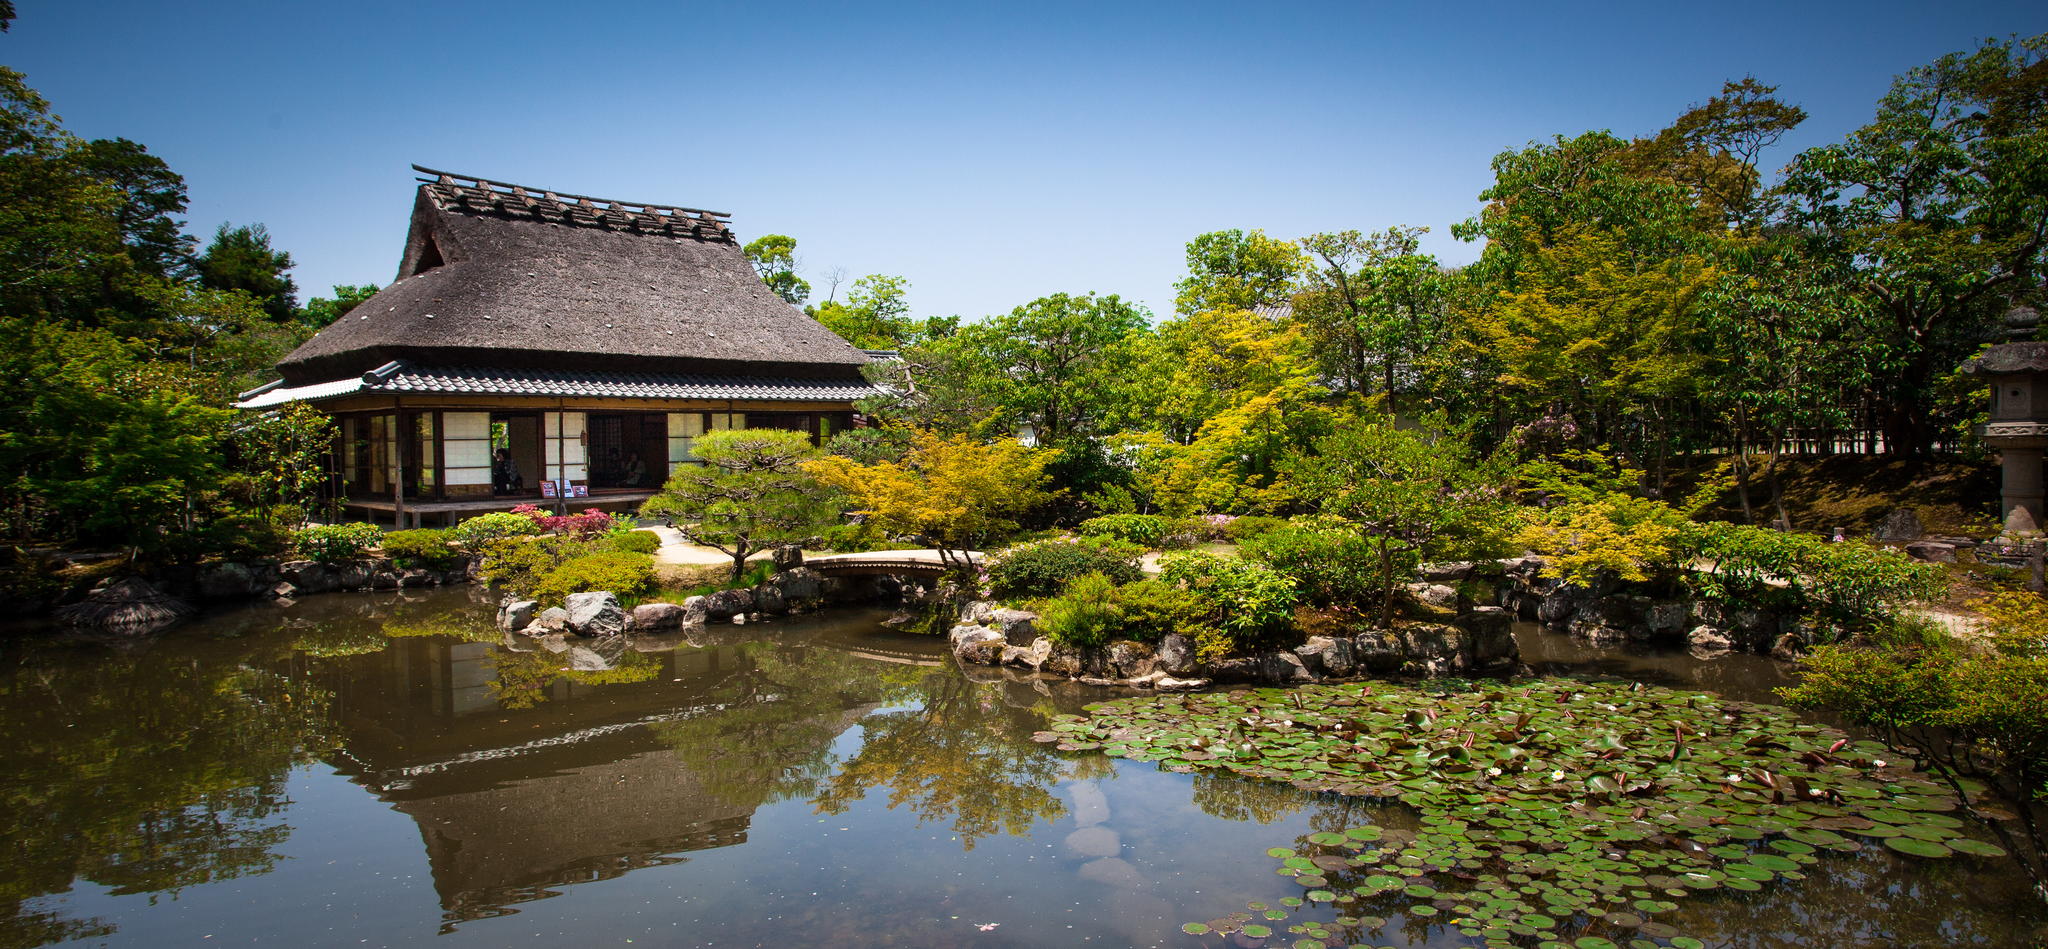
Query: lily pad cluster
x,y
1553,812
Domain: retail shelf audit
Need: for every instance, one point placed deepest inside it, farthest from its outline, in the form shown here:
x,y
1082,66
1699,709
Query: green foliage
x,y
953,493
1085,613
1408,493
1614,536
1144,530
334,543
752,492
321,312
1374,307
1233,270
1982,715
241,258
634,541
478,532
1330,564
284,452
424,547
1044,567
519,564
1246,605
857,537
624,573
1093,610
875,315
1848,586
774,258
1250,527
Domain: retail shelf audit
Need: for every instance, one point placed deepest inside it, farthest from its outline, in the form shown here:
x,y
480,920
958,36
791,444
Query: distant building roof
x,y
513,277
404,378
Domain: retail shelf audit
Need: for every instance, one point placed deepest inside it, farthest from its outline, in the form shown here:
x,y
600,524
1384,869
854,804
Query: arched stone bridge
x,y
924,563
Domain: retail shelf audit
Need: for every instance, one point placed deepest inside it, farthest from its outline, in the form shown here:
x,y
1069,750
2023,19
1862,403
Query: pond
x,y
380,770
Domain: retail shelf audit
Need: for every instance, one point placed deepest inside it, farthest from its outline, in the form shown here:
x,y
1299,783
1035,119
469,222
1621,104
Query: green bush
x,y
628,575
1252,526
519,564
1086,614
421,548
475,533
1145,530
1331,565
858,537
634,541
1248,606
1093,610
1850,586
332,543
1044,568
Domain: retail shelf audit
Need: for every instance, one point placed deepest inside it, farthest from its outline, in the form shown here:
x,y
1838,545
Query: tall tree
x,y
1935,211
323,311
152,195
750,494
1235,269
875,314
1373,305
241,258
774,258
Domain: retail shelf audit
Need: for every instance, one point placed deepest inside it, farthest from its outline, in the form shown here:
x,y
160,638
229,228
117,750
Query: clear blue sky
x,y
990,155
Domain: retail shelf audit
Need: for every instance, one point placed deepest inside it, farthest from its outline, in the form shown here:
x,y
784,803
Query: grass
x,y
681,584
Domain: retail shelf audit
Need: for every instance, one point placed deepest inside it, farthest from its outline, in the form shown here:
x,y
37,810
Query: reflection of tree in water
x,y
962,756
143,773
770,722
521,679
1233,798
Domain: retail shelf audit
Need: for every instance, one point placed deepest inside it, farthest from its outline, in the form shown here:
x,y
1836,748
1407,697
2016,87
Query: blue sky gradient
x,y
990,154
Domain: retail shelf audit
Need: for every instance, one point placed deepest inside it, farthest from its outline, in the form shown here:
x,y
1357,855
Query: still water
x,y
382,770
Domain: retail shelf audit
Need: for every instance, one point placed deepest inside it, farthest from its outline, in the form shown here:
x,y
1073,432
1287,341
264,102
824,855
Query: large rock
x,y
1131,660
310,576
1063,660
726,604
801,586
1900,525
354,575
768,600
1378,652
226,580
1434,648
1931,551
553,619
1176,655
1017,626
979,645
787,557
417,578
594,614
1445,572
517,614
1490,633
1707,642
658,617
1667,619
1327,656
1028,657
1434,598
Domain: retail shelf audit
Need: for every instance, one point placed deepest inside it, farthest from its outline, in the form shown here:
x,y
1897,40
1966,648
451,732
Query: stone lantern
x,y
2018,375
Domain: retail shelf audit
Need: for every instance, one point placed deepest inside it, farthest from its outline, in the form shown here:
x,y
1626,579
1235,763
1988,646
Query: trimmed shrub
x,y
634,541
421,548
1145,530
1252,526
520,563
628,575
1086,614
1044,568
474,533
1092,610
1330,564
332,543
1248,606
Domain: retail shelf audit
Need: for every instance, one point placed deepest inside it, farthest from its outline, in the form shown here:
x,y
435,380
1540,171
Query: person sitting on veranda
x,y
636,470
505,477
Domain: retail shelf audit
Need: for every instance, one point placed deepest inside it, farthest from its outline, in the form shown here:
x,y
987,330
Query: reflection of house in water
x,y
581,786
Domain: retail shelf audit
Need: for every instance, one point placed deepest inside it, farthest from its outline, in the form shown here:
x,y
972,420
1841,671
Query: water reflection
x,y
881,794
144,771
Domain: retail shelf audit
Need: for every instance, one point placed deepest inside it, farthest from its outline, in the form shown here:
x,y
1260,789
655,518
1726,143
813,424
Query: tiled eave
x,y
402,379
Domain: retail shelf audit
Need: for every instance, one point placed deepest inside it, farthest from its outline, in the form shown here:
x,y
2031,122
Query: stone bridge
x,y
925,563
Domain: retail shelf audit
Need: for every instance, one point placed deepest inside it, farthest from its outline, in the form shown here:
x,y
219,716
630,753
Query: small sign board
x,y
579,490
547,489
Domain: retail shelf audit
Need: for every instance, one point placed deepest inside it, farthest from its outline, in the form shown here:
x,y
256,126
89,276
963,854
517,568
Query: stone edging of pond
x,y
794,591
1615,613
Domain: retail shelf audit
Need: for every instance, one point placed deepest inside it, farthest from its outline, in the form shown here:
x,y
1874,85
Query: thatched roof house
x,y
539,340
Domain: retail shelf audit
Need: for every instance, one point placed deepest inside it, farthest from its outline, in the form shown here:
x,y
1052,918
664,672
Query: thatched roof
x,y
510,277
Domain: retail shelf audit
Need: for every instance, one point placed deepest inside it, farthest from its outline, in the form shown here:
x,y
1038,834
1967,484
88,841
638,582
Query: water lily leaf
x,y
1917,847
1976,847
